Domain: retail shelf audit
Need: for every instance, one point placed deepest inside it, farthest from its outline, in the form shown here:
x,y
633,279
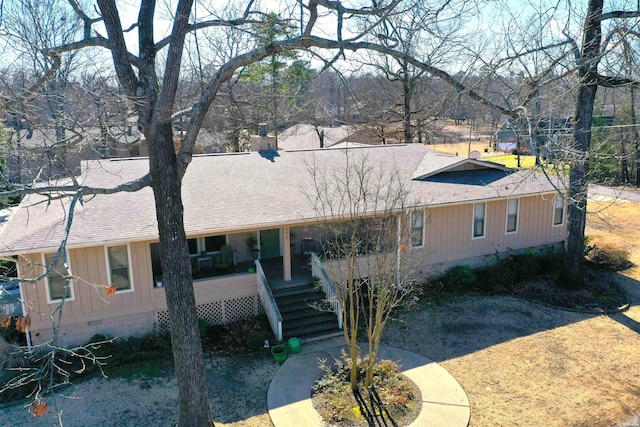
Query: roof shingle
x,y
232,192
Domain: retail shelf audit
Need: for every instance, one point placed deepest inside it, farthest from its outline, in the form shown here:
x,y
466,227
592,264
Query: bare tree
x,y
362,208
151,85
30,27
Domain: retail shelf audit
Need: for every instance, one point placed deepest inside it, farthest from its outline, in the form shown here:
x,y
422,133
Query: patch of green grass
x,y
511,161
149,369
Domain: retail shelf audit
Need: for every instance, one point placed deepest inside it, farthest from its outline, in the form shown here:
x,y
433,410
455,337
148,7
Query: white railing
x,y
319,273
269,302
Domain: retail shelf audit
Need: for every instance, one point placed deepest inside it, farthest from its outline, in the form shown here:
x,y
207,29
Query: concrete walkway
x,y
444,403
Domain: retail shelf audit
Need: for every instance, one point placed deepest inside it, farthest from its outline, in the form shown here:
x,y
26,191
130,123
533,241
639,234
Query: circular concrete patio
x,y
444,403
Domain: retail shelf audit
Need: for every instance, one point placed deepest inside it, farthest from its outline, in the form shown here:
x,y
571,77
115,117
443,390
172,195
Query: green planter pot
x,y
279,353
294,346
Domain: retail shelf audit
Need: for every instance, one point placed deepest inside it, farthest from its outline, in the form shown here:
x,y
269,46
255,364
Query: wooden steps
x,y
305,313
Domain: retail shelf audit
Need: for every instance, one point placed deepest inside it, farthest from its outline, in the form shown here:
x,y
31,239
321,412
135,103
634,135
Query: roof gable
x,y
434,165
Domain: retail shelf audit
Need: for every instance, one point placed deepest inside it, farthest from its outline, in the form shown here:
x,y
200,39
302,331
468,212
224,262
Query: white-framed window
x,y
479,216
55,283
417,229
119,267
558,210
513,213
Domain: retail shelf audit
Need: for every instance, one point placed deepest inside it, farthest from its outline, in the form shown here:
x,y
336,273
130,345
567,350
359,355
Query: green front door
x,y
270,243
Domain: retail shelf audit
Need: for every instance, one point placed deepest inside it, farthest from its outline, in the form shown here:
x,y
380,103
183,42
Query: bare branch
x,y
68,190
167,95
6,103
118,47
620,14
610,81
88,22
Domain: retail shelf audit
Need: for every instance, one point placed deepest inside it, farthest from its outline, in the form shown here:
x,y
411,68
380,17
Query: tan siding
x,y
215,289
448,235
89,269
142,273
92,311
34,293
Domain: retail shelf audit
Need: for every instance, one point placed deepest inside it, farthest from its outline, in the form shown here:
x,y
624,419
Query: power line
x,y
615,126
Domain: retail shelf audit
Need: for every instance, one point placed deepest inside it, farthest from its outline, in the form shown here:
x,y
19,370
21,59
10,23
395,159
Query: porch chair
x,y
224,260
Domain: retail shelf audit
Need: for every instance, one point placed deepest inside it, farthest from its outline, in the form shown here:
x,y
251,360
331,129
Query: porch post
x,y
286,254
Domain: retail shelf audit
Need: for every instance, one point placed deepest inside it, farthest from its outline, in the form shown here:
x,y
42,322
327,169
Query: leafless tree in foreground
x,y
362,208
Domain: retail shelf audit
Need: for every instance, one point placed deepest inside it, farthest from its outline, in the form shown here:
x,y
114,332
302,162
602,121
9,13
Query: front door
x,y
269,243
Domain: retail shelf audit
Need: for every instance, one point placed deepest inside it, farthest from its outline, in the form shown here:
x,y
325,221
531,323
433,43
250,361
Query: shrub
x,y
12,361
255,340
12,335
498,279
245,335
213,336
524,266
132,349
458,278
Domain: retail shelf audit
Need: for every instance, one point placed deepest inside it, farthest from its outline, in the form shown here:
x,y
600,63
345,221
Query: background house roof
x,y
232,192
305,136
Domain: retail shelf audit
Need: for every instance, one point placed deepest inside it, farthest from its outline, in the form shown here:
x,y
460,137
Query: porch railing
x,y
320,273
269,302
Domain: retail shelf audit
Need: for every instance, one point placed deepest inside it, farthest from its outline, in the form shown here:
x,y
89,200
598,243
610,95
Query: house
x,y
306,136
507,139
38,153
461,211
548,134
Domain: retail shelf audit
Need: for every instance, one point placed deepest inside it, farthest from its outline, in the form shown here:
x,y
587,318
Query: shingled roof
x,y
224,193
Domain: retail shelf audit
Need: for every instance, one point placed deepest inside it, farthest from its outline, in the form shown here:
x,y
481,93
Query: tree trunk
x,y
634,132
624,162
578,176
406,86
176,271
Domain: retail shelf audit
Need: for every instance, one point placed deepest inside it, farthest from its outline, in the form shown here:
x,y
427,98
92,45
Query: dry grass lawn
x,y
523,364
461,148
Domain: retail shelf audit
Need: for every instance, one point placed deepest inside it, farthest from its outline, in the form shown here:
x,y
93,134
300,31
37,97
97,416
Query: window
x,y
55,279
199,245
558,210
214,243
118,267
193,246
417,228
512,215
478,220
156,264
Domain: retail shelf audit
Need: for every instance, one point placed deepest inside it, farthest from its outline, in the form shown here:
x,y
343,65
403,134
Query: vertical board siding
x,y
449,230
209,290
89,269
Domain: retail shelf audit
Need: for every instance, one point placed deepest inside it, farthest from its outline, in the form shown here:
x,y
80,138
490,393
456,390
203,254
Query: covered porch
x,y
300,271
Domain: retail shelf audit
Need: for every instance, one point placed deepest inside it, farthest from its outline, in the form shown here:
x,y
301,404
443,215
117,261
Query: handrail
x,y
269,302
319,272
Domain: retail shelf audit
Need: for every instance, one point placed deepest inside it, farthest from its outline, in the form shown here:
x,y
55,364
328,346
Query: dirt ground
x,y
521,364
